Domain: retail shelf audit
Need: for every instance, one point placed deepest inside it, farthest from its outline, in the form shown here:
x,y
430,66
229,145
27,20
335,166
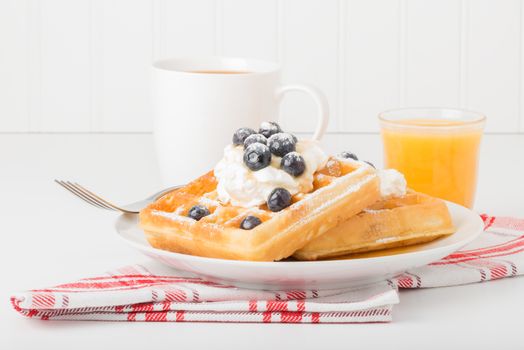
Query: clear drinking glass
x,y
436,149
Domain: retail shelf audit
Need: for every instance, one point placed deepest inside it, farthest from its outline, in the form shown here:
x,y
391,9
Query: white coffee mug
x,y
200,102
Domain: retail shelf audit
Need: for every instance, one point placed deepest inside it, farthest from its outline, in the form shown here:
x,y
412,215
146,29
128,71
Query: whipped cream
x,y
392,183
242,187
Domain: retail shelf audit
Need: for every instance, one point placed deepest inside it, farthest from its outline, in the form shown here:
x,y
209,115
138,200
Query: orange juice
x,y
437,156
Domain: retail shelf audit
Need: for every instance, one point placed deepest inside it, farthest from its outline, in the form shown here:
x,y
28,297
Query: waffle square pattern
x,y
341,189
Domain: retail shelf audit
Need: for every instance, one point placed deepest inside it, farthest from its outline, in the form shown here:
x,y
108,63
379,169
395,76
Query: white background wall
x,y
83,65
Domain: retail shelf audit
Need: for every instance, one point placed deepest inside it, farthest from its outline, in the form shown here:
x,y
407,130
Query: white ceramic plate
x,y
310,274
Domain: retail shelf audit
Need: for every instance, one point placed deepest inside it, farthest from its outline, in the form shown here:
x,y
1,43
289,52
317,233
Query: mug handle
x,y
320,100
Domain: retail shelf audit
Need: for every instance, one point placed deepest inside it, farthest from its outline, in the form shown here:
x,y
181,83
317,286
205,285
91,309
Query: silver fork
x,y
97,201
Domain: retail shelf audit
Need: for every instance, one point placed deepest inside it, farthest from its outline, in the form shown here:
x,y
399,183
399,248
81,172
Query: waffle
x,y
390,223
341,189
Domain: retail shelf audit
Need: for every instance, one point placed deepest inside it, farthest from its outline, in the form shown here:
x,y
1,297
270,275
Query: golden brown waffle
x,y
342,189
390,223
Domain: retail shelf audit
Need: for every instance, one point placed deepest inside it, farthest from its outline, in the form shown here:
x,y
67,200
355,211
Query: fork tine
x,y
91,198
95,197
88,197
79,194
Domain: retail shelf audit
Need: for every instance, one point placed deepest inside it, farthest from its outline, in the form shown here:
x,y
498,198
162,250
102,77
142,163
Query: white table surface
x,y
50,237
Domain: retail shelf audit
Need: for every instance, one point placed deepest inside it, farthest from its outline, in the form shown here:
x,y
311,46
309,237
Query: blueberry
x,y
370,164
197,212
257,156
348,155
281,144
255,138
241,134
269,128
294,138
250,222
293,164
278,199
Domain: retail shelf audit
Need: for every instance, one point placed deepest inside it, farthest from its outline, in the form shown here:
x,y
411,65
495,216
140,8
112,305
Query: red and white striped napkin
x,y
497,253
151,293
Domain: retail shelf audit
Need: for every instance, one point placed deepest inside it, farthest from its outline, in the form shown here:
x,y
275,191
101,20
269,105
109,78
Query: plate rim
x,y
323,263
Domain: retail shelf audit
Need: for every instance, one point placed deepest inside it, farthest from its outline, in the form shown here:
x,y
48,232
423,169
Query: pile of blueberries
x,y
260,147
258,151
269,141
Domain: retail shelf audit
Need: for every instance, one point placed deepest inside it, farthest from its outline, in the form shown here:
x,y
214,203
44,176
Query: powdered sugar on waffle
x,y
372,211
347,191
386,239
208,201
173,216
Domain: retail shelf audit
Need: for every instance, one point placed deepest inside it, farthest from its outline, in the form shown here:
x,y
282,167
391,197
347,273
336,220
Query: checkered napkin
x,y
152,293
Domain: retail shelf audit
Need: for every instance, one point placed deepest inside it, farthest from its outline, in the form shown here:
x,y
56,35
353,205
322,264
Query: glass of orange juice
x,y
436,149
